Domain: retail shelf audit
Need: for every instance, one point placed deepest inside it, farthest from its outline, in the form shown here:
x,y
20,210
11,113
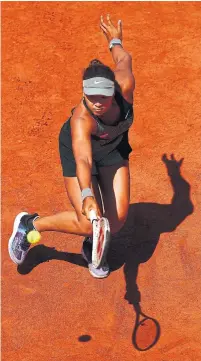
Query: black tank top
x,y
107,137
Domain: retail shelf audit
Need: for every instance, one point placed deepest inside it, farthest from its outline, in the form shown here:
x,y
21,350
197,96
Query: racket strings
x,y
100,242
101,237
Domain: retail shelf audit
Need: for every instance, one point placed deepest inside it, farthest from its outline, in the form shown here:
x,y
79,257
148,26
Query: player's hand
x,y
90,203
109,30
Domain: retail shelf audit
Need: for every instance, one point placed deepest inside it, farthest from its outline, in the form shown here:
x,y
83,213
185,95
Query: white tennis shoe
x,y
18,246
101,272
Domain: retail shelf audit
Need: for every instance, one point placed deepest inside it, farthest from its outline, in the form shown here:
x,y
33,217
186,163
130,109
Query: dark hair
x,y
97,68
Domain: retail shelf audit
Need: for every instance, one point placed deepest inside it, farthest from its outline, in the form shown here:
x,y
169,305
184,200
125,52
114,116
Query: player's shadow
x,y
137,240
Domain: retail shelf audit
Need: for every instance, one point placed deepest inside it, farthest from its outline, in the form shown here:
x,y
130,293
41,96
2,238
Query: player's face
x,y
98,104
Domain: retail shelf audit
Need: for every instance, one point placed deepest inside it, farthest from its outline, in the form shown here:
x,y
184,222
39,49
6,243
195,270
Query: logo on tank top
x,y
104,136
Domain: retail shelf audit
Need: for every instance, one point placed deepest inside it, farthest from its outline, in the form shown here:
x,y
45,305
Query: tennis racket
x,y
146,331
101,238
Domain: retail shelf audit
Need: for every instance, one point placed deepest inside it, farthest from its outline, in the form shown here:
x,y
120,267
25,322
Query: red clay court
x,y
52,309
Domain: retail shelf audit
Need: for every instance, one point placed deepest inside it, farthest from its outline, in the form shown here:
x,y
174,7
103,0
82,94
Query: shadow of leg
x,y
40,254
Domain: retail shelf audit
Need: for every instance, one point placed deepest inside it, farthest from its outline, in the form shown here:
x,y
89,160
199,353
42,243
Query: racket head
x,y
101,239
146,332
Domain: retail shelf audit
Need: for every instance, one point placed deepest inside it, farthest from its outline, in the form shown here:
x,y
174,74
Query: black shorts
x,y
116,156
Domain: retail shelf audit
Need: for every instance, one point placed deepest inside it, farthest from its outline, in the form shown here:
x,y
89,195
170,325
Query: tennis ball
x,y
33,237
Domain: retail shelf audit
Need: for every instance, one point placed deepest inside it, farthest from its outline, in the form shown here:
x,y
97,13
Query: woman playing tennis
x,y
94,152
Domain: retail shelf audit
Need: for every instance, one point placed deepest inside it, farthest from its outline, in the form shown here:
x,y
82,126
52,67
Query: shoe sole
x,y
98,276
87,261
15,227
90,271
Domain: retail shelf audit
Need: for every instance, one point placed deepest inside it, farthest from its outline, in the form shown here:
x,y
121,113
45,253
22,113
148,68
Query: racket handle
x,y
92,215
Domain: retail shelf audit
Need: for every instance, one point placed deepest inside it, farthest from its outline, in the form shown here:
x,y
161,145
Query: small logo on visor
x,y
97,82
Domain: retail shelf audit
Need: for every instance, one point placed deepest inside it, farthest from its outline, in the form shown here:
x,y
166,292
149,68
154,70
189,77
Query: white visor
x,y
98,86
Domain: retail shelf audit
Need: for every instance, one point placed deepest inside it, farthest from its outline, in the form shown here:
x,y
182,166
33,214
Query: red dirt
x,y
55,310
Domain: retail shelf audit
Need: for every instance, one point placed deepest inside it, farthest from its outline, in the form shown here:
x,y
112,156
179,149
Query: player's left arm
x,y
122,59
123,72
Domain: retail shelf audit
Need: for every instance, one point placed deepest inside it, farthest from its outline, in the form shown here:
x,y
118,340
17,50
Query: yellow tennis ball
x,y
33,237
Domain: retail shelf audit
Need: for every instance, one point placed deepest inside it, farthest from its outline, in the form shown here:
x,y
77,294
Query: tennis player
x,y
94,153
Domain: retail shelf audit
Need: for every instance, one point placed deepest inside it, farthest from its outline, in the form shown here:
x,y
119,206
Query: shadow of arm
x,y
181,205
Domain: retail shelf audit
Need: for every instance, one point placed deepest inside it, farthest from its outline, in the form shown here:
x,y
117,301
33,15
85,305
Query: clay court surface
x,y
52,309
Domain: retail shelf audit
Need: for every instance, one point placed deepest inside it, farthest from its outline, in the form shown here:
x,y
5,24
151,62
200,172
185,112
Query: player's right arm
x,y
82,127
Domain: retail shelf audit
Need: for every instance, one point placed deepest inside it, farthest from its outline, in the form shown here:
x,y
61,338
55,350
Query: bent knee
x,y
85,226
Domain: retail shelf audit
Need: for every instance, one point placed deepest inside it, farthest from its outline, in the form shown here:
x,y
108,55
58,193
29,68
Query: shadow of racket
x,y
146,331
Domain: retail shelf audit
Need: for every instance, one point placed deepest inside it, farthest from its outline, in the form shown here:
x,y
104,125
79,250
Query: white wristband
x,y
86,192
114,42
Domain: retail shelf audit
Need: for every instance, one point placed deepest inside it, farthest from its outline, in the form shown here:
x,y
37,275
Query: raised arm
x,y
122,59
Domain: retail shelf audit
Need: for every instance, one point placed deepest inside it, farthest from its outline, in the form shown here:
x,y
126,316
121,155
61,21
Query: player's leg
x,y
115,188
69,221
114,181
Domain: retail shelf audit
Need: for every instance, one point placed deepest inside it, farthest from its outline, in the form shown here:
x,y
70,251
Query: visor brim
x,y
108,92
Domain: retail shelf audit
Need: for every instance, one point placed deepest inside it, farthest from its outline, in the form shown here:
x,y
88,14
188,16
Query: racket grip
x,y
92,215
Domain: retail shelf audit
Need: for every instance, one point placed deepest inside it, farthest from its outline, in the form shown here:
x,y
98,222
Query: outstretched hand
x,y
109,30
173,166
